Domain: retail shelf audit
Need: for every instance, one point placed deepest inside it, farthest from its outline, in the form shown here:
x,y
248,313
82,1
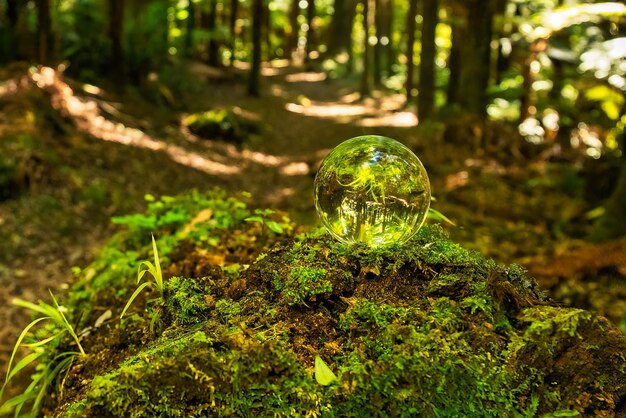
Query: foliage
x,y
44,349
154,270
222,124
426,329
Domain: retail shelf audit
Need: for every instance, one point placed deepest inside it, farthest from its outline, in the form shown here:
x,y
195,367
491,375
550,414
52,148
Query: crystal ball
x,y
372,189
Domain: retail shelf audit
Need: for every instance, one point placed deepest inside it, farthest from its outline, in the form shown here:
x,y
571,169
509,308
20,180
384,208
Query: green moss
x,y
303,283
221,123
423,329
184,300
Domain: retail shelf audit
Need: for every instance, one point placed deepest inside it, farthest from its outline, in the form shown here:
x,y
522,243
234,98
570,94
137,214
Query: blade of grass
x,y
134,296
23,363
67,325
19,342
159,274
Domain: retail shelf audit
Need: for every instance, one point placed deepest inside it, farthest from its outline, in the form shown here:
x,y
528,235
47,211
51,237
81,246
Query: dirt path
x,y
116,152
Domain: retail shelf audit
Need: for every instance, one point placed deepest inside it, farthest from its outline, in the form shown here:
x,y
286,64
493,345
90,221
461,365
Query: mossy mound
x,y
422,329
225,124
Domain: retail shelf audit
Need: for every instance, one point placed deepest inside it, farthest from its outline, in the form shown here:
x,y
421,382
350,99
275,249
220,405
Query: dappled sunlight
x,y
86,116
398,119
309,77
371,112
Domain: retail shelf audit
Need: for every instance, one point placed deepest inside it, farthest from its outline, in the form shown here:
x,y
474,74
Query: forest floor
x,y
85,154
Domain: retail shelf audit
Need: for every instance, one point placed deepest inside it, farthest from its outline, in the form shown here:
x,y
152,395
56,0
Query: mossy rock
x,y
422,329
221,123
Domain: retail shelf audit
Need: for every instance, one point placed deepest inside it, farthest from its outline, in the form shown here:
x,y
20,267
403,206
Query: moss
x,y
185,301
222,124
423,329
303,283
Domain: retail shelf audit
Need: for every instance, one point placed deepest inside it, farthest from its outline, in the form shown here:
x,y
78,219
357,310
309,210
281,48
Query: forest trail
x,y
116,151
109,151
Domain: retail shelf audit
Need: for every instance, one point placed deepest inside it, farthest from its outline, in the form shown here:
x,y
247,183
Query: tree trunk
x,y
339,29
454,61
613,223
191,24
426,97
391,51
292,40
234,8
366,75
310,33
10,49
410,47
116,30
267,32
255,69
44,35
379,11
213,48
475,58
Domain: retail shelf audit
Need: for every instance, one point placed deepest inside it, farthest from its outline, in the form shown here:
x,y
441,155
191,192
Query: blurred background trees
x,y
555,69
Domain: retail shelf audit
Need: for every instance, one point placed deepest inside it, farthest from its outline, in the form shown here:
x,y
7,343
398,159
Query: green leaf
x,y
24,362
159,274
19,342
323,375
435,215
254,219
65,323
134,296
275,227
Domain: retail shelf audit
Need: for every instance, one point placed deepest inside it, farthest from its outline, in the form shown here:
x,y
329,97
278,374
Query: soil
x,y
87,154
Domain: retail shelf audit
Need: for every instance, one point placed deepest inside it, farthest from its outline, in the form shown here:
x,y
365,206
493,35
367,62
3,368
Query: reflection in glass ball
x,y
372,189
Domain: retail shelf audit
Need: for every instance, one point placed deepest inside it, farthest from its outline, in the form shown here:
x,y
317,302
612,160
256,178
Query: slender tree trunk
x,y
116,30
310,33
366,75
191,24
426,97
378,47
454,62
234,9
337,41
475,58
11,48
44,33
213,46
255,69
613,223
294,12
267,24
391,51
410,48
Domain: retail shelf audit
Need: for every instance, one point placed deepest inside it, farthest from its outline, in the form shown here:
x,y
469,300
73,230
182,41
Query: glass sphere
x,y
372,189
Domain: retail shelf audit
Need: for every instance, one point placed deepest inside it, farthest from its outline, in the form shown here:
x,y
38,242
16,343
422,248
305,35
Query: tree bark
x,y
234,9
366,75
267,31
613,223
212,47
310,33
116,30
475,58
44,34
190,26
454,61
255,68
410,47
292,40
10,49
426,97
340,29
379,11
391,51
